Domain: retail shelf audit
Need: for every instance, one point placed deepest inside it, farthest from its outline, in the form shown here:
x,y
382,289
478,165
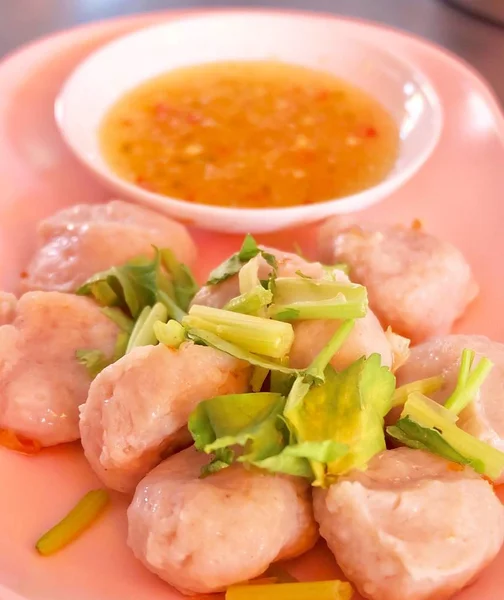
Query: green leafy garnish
x,y
182,279
95,360
468,383
329,423
348,408
247,420
261,336
295,459
234,263
433,422
210,339
143,332
171,334
142,282
132,286
411,434
119,317
253,302
306,298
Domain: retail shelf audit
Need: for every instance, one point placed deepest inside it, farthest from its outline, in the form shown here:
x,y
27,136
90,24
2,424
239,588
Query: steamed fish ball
x,y
41,381
417,284
203,535
82,240
137,408
413,525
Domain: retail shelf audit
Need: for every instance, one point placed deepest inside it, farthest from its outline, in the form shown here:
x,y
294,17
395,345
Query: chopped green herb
x,y
143,332
255,334
434,421
170,334
468,383
235,262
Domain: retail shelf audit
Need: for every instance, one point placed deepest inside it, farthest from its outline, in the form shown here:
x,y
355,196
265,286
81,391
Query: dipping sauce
x,y
250,134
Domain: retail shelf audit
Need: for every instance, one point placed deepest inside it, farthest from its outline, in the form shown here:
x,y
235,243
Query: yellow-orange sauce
x,y
250,134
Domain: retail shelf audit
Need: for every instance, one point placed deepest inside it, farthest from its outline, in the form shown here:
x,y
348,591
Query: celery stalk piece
x,y
303,298
424,386
142,317
425,412
248,275
170,334
317,367
253,302
316,590
468,382
119,317
143,334
74,524
300,289
255,334
214,341
337,308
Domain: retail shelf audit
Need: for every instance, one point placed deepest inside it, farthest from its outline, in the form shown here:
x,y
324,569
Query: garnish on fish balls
x,y
470,371
326,424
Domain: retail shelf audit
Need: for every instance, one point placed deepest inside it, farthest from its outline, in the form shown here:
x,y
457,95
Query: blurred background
x,y
473,29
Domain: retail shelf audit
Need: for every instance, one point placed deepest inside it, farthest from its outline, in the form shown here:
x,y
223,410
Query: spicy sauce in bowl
x,y
250,134
250,122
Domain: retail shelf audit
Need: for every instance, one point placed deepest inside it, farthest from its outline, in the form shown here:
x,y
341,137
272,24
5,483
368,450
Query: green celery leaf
x,y
222,459
293,459
235,262
119,318
134,285
142,282
411,434
184,284
94,361
349,408
247,420
249,249
286,464
325,452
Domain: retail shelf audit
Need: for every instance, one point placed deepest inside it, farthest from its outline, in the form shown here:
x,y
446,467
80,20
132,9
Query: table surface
x,y
478,42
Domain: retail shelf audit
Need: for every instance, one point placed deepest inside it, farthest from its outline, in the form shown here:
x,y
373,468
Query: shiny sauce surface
x,y
249,134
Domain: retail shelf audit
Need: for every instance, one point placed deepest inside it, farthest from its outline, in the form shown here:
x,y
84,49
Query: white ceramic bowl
x,y
311,41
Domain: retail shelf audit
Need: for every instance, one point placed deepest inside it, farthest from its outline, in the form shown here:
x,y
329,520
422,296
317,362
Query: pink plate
x,y
458,194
